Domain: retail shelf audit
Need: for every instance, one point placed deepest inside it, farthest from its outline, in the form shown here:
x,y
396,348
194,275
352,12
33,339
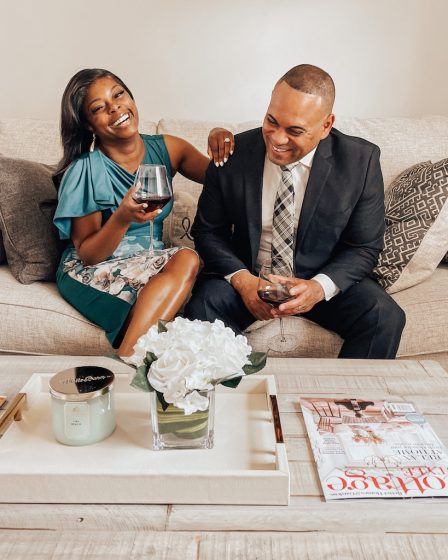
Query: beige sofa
x,y
35,319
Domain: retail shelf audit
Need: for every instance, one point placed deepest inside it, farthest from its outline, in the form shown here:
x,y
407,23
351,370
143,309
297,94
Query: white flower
x,y
170,367
174,391
190,356
192,403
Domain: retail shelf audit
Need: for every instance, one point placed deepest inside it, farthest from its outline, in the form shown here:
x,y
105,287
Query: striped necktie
x,y
282,249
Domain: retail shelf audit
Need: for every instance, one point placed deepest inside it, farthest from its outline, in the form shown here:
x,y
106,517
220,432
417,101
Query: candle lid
x,y
81,383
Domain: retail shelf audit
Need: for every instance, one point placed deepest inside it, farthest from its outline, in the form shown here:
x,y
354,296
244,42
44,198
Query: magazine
x,y
374,449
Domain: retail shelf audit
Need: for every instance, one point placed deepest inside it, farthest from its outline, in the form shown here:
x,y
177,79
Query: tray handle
x,y
13,412
276,417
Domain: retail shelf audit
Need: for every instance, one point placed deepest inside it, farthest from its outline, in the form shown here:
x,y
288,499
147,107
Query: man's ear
x,y
327,125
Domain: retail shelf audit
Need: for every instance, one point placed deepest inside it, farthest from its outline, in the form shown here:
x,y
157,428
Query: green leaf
x,y
161,326
150,358
140,379
257,361
232,383
162,401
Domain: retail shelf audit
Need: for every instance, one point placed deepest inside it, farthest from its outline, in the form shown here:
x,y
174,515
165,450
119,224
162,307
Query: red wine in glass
x,y
274,294
154,202
154,189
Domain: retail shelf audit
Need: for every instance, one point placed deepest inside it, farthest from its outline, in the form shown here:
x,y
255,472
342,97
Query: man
x,y
298,190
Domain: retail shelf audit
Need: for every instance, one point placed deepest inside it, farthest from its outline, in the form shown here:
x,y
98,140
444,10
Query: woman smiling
x,y
105,271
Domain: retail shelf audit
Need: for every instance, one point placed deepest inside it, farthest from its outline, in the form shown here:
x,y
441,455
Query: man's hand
x,y
246,285
306,294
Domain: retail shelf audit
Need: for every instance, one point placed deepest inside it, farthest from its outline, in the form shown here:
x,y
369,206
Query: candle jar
x,y
82,405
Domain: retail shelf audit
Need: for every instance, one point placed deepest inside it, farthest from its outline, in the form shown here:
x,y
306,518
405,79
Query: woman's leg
x,y
161,298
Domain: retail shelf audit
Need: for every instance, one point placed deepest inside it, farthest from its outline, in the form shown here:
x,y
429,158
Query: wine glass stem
x,y
151,236
282,332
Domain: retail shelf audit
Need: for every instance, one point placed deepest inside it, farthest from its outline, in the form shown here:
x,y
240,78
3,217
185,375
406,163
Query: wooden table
x,y
308,528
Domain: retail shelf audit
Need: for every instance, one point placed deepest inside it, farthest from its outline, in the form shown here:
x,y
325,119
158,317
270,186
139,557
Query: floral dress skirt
x,y
105,292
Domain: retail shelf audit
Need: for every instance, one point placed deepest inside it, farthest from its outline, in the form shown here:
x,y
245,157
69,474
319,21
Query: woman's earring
x,y
92,145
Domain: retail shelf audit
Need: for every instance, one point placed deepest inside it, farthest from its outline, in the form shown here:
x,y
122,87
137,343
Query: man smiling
x,y
298,193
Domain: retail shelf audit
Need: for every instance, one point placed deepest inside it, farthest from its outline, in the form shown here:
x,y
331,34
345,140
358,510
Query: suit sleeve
x,y
212,228
362,240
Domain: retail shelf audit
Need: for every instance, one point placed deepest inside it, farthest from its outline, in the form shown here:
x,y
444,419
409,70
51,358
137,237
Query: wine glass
x,y
274,293
153,188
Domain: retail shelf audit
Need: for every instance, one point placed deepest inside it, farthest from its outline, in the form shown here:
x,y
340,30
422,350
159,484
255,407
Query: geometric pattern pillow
x,y
416,236
27,203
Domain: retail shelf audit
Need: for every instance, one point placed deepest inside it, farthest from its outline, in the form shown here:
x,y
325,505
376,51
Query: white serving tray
x,y
246,465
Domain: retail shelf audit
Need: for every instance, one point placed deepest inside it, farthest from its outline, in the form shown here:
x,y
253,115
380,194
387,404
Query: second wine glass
x,y
274,293
154,189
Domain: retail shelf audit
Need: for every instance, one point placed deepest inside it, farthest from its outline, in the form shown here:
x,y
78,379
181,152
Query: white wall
x,y
208,59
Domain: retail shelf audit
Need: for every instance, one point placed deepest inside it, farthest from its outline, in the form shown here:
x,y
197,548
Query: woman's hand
x,y
221,144
131,211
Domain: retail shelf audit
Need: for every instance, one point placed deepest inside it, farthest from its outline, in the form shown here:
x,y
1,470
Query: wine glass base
x,y
283,343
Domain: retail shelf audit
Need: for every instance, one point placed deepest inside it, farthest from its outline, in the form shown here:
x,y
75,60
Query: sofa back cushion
x,y
27,203
38,140
403,141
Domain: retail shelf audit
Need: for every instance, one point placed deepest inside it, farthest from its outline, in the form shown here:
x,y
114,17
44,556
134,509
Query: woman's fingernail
x,y
231,152
225,160
217,164
159,211
221,163
145,205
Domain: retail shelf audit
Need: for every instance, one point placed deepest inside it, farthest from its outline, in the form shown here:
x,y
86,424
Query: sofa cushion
x,y
403,141
39,140
26,212
425,333
416,237
36,320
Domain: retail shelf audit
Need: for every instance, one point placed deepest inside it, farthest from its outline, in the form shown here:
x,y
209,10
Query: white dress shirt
x,y
272,176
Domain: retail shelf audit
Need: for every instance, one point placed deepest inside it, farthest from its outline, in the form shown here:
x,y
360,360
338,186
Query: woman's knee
x,y
184,263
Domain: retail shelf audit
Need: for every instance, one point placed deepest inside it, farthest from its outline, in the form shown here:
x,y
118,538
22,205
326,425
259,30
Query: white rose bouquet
x,y
180,358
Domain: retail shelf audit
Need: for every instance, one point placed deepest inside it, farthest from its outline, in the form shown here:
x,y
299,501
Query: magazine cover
x,y
374,449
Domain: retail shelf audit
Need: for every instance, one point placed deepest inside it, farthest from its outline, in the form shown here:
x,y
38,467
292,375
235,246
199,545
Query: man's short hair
x,y
311,79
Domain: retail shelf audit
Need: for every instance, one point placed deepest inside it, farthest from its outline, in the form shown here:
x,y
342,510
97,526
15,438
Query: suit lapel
x,y
319,174
253,184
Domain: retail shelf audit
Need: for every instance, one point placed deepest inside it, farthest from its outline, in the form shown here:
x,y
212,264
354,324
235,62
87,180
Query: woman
x,y
106,272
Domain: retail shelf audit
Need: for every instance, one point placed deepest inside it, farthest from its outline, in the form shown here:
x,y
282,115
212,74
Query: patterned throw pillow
x,y
416,237
176,228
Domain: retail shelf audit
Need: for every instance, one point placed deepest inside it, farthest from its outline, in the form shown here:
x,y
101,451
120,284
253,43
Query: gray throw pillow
x,y
27,203
416,237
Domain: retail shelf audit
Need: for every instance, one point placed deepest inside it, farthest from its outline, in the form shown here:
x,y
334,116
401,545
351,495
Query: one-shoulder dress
x,y
105,292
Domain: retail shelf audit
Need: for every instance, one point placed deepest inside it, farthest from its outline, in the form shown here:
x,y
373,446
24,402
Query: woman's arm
x,y
189,161
95,243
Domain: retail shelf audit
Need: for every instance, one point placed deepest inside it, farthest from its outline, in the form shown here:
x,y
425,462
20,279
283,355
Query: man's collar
x,y
308,159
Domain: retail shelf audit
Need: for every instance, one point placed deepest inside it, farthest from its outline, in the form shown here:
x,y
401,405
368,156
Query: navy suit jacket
x,y
341,223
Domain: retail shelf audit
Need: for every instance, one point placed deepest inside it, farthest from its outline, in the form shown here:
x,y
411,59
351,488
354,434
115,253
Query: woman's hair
x,y
75,137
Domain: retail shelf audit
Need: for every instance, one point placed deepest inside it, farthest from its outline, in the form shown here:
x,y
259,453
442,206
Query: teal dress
x,y
105,292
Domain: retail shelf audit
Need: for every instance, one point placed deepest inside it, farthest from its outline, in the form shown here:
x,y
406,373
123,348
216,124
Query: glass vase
x,y
173,429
